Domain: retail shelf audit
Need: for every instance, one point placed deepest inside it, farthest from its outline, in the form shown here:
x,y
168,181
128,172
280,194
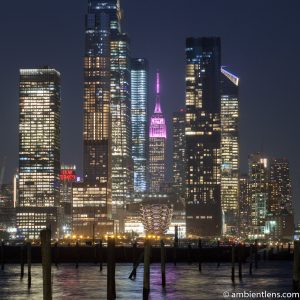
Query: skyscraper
x,y
259,191
67,178
139,121
157,145
280,186
203,136
244,206
230,149
107,123
179,159
39,151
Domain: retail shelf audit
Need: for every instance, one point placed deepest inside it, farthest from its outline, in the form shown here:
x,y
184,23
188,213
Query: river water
x,y
184,281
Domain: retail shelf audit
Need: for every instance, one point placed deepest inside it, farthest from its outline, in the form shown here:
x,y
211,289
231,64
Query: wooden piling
x,y
289,248
200,255
46,263
29,265
134,258
240,249
189,254
22,260
2,255
251,259
101,255
77,255
175,246
163,263
218,254
146,283
111,266
56,254
233,263
256,254
296,267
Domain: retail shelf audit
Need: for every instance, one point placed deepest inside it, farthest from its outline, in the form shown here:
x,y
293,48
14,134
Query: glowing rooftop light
x,y
234,79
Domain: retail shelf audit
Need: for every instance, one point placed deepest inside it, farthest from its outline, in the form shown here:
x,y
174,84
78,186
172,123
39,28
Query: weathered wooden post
x,y
189,254
233,262
77,254
296,268
289,248
22,260
200,254
175,245
29,264
218,254
46,263
2,255
146,283
163,263
251,259
111,265
240,261
134,258
101,255
255,254
56,254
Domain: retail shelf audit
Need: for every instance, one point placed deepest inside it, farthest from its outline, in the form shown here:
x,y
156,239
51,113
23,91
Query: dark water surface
x,y
184,281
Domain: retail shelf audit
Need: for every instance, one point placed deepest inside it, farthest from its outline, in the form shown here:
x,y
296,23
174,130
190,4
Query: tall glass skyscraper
x,y
139,121
39,151
203,136
230,150
107,122
259,191
157,145
179,159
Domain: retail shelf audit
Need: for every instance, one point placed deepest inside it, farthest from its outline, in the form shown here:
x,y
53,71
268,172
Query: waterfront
x,y
184,281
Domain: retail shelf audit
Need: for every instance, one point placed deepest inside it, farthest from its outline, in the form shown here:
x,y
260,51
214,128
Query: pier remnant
x,y
46,263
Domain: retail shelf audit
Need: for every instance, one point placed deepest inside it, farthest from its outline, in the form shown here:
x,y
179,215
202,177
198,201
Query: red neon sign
x,y
67,175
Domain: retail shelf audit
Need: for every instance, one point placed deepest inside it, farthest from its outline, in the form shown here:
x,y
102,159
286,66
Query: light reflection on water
x,y
184,281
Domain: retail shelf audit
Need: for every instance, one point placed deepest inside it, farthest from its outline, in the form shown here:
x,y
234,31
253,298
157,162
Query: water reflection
x,y
184,281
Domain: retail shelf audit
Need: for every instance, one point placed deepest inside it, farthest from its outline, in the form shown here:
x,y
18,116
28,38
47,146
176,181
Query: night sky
x,y
260,43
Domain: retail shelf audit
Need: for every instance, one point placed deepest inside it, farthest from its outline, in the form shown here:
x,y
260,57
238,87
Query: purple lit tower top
x,y
158,128
157,145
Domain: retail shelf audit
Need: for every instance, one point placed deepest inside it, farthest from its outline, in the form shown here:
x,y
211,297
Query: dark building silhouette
x,y
203,137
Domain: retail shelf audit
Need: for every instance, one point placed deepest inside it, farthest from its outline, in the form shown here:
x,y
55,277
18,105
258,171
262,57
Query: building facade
x,y
139,121
230,150
107,122
259,191
157,145
179,159
203,136
39,152
67,178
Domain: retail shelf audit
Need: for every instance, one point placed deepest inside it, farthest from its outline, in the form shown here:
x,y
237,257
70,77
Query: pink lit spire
x,y
157,109
158,123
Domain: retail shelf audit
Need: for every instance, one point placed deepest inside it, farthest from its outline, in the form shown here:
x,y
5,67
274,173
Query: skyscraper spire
x,y
157,109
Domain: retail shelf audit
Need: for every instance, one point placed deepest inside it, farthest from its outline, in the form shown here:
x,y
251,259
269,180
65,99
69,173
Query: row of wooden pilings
x,y
237,252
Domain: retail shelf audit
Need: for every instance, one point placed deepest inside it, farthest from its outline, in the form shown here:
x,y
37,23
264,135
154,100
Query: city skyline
x,y
275,148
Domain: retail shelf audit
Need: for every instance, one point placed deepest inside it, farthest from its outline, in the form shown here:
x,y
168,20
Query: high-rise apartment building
x,y
139,121
179,159
230,150
244,218
203,136
280,186
39,151
157,145
259,191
